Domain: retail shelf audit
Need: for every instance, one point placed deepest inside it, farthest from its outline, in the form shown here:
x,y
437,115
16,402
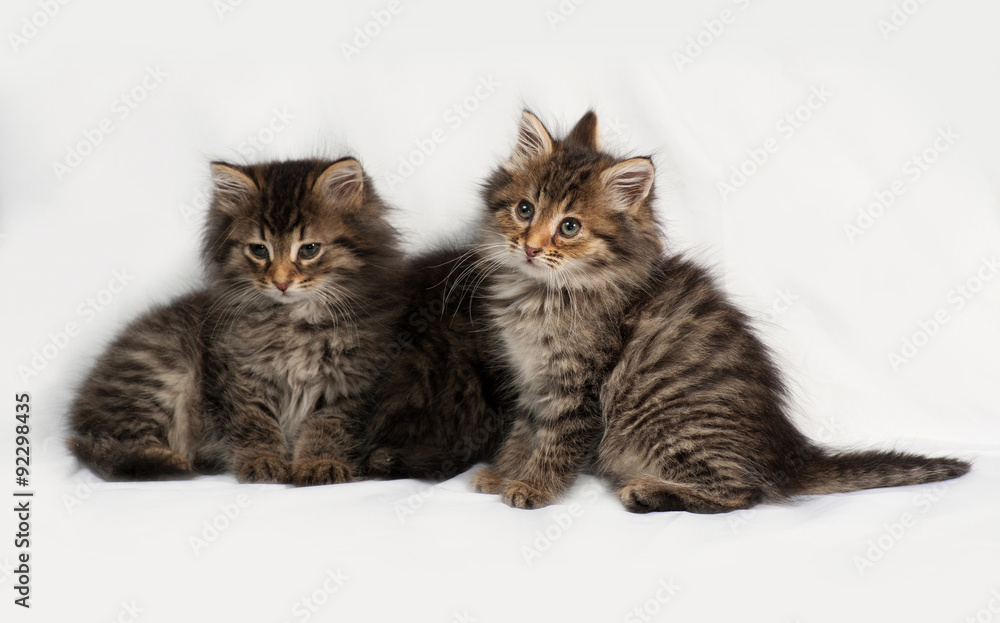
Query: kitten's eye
x,y
525,209
307,251
569,227
258,250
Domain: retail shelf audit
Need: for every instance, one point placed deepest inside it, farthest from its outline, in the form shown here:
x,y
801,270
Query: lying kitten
x,y
256,374
633,364
438,410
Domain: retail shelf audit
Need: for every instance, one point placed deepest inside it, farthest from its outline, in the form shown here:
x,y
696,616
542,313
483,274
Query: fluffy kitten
x,y
438,410
634,364
258,373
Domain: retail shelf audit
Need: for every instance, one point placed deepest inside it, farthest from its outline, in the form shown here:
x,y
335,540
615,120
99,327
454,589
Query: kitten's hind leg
x,y
115,459
645,494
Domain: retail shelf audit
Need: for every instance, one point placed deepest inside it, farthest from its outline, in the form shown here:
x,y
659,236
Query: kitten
x,y
258,373
633,364
439,409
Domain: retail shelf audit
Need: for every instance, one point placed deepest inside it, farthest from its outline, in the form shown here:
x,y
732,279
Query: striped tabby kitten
x,y
438,410
633,364
256,374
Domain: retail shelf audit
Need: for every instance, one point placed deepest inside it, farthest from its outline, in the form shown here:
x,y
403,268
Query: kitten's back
x,y
137,416
696,401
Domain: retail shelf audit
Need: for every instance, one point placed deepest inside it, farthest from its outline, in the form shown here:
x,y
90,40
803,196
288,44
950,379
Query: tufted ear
x,y
629,182
231,185
533,139
584,133
342,184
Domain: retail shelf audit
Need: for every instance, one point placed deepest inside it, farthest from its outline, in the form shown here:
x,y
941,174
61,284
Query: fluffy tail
x,y
851,471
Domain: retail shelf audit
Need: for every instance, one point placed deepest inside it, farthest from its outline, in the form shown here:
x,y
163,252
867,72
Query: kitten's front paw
x,y
263,468
487,480
522,495
309,472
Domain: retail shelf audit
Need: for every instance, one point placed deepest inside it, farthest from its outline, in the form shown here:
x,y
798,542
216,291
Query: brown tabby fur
x,y
438,410
258,373
633,364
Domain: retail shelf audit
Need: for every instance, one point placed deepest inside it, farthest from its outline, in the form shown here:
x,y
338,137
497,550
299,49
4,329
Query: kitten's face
x,y
564,213
287,231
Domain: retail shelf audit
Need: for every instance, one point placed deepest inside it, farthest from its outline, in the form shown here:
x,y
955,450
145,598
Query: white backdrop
x,y
836,162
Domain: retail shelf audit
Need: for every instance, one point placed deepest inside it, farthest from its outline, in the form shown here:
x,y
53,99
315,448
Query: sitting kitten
x,y
256,374
633,364
438,410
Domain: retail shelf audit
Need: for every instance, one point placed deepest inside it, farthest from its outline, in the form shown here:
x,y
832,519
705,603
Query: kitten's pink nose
x,y
282,285
531,251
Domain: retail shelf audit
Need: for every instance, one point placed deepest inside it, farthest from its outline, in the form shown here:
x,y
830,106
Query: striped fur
x,y
632,364
259,374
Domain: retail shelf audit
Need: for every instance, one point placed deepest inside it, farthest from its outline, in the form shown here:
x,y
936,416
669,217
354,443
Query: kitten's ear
x,y
230,180
629,182
533,139
231,185
584,133
342,184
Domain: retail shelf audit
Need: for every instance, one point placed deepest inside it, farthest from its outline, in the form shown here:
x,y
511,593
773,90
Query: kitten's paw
x,y
322,471
164,462
640,497
522,495
487,480
147,463
382,462
263,468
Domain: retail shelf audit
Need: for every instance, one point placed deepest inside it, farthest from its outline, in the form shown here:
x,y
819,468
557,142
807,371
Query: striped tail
x,y
852,471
